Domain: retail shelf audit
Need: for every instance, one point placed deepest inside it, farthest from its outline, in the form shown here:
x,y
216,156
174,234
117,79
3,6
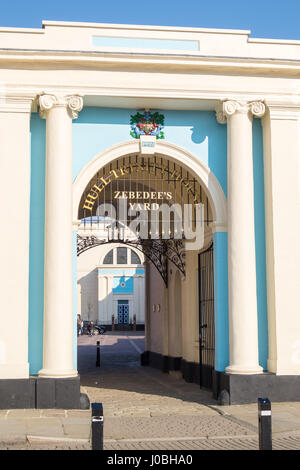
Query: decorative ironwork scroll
x,y
159,251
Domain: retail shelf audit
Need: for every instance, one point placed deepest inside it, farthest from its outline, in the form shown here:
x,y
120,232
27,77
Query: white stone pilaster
x,y
243,333
58,309
15,196
281,136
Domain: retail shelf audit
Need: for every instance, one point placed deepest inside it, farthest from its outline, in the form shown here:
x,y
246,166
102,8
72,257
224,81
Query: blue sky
x,y
265,18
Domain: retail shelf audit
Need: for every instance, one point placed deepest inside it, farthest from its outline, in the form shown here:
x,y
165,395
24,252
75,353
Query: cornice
x,y
94,59
211,99
21,30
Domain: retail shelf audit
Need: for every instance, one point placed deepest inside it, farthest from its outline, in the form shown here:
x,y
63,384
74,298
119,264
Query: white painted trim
x,y
4,29
75,24
181,156
274,41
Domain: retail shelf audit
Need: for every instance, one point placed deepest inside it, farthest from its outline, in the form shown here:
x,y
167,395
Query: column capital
x,y
228,108
257,108
47,101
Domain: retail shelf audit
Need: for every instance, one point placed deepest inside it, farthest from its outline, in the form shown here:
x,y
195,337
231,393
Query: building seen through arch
x,y
111,284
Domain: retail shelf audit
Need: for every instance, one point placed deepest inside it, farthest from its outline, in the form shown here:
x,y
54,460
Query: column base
x,y
244,370
41,393
242,389
54,373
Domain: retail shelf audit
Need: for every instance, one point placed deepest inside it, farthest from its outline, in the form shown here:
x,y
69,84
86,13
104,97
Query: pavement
x,y
144,409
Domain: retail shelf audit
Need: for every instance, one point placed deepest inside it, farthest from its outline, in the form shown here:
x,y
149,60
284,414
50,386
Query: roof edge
x,y
46,23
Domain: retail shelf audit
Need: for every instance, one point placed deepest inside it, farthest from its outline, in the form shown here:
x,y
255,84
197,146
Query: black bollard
x,y
264,424
98,354
97,426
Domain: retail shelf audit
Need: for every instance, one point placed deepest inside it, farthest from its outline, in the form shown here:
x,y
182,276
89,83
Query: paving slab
x,y
81,414
47,427
12,429
285,416
53,413
26,413
80,430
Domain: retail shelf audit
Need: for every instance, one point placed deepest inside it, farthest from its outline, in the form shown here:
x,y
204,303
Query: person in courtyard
x,y
78,325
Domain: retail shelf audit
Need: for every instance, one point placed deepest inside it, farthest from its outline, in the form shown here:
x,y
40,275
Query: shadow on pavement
x,y
120,369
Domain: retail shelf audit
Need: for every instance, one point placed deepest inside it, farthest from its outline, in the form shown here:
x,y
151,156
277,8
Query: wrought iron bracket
x,y
157,251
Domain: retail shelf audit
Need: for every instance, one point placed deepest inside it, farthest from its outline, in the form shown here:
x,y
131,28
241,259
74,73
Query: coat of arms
x,y
147,124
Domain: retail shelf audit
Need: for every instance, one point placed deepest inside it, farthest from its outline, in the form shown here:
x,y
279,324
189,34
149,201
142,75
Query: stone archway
x,y
217,202
207,178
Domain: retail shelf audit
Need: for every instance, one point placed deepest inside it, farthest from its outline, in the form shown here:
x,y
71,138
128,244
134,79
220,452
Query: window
x,y
109,257
135,259
122,255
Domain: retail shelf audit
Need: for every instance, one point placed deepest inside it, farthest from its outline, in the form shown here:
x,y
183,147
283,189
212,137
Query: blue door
x,y
123,313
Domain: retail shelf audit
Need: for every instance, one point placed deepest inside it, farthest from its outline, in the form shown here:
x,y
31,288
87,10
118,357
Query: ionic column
x,y
58,297
243,333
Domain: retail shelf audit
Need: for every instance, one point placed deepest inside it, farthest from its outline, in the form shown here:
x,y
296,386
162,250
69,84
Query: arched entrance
x,y
146,183
214,191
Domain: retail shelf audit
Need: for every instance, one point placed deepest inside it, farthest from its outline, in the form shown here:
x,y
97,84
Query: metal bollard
x,y
97,426
264,424
98,354
112,323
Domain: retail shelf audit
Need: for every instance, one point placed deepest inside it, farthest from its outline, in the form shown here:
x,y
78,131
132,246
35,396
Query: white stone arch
x,y
215,193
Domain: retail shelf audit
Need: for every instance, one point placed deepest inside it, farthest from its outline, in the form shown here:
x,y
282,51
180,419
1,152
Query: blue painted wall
x,y
260,243
122,271
95,130
36,244
122,285
221,301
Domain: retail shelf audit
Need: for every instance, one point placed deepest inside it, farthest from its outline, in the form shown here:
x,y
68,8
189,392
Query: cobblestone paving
x,y
172,426
287,443
144,409
236,443
153,409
